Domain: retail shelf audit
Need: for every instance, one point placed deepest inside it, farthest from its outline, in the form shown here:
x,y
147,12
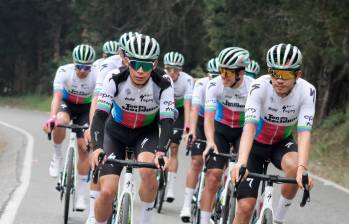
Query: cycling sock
x,y
205,217
146,213
171,180
105,222
283,206
81,184
57,150
93,197
188,196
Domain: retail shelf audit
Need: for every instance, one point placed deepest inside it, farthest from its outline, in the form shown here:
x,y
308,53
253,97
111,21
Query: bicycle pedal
x,y
58,187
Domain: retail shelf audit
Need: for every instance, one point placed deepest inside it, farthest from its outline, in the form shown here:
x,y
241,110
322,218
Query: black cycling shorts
x,y
261,153
199,147
79,113
178,127
117,137
224,137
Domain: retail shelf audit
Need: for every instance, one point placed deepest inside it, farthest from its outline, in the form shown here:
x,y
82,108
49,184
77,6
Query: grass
x,y
330,149
32,102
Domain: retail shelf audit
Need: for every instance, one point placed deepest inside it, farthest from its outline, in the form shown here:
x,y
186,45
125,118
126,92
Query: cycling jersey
x,y
183,88
198,98
276,116
110,63
135,107
97,63
228,103
74,89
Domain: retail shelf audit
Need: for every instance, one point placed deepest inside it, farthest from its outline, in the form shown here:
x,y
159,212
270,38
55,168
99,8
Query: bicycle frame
x,y
267,202
62,180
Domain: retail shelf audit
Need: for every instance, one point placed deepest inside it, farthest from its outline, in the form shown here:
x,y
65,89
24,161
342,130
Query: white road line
x,y
330,183
12,206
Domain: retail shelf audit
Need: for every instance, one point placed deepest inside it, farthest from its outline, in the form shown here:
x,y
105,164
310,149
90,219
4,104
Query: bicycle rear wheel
x,y
69,184
228,212
267,217
161,191
125,213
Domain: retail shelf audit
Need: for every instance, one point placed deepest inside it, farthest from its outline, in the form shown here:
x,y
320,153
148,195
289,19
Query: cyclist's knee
x,y
174,149
289,163
245,208
82,147
196,164
63,118
213,178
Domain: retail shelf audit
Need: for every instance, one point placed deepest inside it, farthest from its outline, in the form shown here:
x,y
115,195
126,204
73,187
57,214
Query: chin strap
x,y
237,79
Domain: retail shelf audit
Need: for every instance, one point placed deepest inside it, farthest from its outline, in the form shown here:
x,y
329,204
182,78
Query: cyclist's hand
x,y
209,145
190,140
235,173
160,155
47,125
300,171
94,158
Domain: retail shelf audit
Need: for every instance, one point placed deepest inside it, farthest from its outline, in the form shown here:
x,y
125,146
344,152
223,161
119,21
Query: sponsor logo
x,y
254,87
138,108
287,109
309,119
144,141
312,93
272,109
229,104
168,103
146,98
103,67
289,144
280,120
128,91
250,109
212,84
250,182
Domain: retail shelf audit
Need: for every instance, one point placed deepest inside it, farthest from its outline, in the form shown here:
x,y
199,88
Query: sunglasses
x,y
83,67
226,72
173,68
145,65
282,74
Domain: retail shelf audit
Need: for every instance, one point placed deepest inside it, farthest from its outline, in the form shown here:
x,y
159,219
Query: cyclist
x,y
183,87
73,89
197,131
110,48
275,105
252,69
224,109
134,98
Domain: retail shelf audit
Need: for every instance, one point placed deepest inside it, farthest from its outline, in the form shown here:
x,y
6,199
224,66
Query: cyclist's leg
x,y
145,150
109,178
58,134
81,117
248,189
173,162
215,169
194,170
285,157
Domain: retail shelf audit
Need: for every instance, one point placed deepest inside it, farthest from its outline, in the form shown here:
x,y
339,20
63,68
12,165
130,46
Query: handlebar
x,y
73,127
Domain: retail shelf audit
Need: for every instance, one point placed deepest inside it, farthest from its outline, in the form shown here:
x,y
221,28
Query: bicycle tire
x,y
112,218
161,194
195,214
69,184
267,217
124,213
228,211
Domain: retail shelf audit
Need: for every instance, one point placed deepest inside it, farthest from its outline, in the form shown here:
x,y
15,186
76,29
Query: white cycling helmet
x,y
142,47
233,57
125,37
284,56
83,54
212,66
253,67
110,47
174,59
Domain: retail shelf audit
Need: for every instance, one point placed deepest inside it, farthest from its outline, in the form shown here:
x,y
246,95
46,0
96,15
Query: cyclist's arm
x,y
246,142
93,107
167,107
187,102
210,111
57,91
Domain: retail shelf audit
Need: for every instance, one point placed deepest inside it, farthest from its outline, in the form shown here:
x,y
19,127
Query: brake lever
x,y
306,193
189,146
49,135
95,172
208,158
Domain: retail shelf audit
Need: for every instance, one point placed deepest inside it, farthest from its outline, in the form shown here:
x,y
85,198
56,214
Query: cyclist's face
x,y
82,71
282,87
229,76
139,76
173,72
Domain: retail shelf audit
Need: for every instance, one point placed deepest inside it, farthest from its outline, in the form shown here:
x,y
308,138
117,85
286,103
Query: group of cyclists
x,y
130,101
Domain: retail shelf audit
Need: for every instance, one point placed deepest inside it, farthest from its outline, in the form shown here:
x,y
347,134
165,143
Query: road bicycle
x,y
67,179
122,212
265,215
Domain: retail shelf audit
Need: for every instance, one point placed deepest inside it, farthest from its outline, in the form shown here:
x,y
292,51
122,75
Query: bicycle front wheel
x,y
69,184
267,217
229,208
112,218
125,210
161,192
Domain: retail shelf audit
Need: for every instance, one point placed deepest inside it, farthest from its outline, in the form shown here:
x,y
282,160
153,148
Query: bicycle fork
x,y
267,202
127,190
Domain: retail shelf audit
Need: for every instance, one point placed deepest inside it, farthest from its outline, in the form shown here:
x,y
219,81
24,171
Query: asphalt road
x,y
41,204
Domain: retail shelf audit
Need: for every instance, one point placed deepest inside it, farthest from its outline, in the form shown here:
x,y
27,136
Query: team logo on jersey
x,y
309,119
144,141
254,87
212,84
103,67
287,109
128,91
312,93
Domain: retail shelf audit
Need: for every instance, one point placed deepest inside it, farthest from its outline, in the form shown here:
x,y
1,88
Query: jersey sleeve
x,y
198,94
254,102
307,110
167,103
58,82
105,98
188,88
211,96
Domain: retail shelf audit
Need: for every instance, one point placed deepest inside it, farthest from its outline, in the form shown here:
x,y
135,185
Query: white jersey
x,y
98,62
74,89
276,116
199,91
183,88
136,107
227,103
108,64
